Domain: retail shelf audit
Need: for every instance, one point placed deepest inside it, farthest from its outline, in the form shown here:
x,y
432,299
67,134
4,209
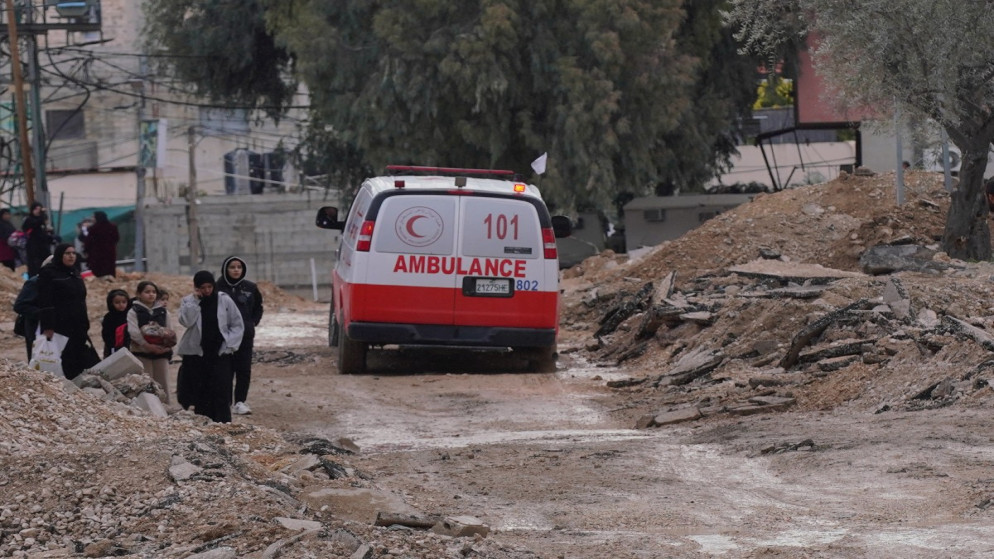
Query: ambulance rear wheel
x,y
351,355
542,359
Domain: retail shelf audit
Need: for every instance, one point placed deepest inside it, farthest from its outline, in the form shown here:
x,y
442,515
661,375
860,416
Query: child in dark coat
x,y
114,327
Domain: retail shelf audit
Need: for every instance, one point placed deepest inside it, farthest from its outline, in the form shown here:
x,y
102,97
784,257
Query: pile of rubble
x,y
756,320
85,471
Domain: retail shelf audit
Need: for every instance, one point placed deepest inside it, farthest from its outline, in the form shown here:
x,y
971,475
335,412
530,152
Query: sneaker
x,y
241,408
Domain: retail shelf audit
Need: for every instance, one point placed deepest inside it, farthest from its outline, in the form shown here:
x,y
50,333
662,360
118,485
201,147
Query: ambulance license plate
x,y
487,287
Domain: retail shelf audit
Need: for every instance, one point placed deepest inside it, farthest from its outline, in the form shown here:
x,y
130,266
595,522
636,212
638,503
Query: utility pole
x,y
192,223
37,130
140,174
22,117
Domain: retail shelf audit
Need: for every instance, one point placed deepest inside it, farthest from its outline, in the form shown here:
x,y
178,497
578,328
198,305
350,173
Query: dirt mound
x,y
765,308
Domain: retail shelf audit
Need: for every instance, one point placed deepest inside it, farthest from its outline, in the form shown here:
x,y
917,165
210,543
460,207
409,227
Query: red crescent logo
x,y
410,226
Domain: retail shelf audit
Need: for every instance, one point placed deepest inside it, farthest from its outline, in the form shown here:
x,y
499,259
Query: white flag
x,y
539,164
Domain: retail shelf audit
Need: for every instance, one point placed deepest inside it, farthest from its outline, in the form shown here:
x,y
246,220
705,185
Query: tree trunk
x,y
967,236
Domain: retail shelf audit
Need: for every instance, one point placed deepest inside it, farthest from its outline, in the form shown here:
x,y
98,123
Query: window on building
x,y
65,124
654,215
219,122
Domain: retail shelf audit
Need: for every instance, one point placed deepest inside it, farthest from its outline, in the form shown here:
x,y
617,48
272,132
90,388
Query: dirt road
x,y
551,462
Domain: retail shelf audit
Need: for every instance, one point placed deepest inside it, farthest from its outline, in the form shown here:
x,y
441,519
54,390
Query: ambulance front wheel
x,y
351,355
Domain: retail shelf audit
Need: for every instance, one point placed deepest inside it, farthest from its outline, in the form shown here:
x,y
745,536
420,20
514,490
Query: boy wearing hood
x,y
214,330
248,299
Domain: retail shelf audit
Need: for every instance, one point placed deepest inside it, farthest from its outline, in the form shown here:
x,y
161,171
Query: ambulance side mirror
x,y
327,218
561,226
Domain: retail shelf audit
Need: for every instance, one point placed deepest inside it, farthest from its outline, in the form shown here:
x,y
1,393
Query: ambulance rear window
x,y
416,225
501,228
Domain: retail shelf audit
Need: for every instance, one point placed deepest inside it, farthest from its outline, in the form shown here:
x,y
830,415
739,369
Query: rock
x,y
297,524
676,416
836,363
181,470
886,259
358,504
461,526
216,553
151,404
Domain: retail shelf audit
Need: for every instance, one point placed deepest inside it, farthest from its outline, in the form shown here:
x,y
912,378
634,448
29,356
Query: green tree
x,y
932,59
223,50
624,95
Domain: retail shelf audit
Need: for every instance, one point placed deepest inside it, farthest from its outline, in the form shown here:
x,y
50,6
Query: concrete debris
x,y
151,404
867,324
182,470
461,527
887,259
297,524
669,418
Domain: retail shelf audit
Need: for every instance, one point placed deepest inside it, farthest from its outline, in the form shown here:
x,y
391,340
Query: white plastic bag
x,y
46,354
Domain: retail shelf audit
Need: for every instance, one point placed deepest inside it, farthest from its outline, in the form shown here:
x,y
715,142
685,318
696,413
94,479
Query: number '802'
x,y
526,285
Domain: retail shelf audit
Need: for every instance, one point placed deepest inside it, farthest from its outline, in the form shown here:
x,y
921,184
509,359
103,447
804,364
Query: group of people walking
x,y
216,348
95,243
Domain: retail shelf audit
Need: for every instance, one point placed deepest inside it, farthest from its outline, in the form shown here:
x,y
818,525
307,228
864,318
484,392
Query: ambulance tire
x,y
351,355
542,359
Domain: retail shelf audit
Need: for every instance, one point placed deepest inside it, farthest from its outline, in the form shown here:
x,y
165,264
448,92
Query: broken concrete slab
x,y
837,349
791,271
836,363
886,259
676,416
423,521
699,317
118,364
775,403
358,504
181,470
956,325
151,404
691,366
664,289
461,527
297,524
216,553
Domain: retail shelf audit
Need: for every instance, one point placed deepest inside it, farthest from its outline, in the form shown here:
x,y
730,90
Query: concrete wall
x,y
681,214
273,233
792,164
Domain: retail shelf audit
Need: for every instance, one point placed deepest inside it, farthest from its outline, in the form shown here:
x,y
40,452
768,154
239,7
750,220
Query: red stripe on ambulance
x,y
456,265
385,303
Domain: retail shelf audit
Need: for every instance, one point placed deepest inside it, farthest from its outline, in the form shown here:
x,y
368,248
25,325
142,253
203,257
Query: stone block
x,y
151,404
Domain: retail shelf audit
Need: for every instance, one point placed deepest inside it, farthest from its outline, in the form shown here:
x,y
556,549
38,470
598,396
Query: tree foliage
x,y
624,95
223,50
932,59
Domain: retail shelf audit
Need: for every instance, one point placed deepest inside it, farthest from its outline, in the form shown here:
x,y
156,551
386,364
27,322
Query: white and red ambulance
x,y
446,257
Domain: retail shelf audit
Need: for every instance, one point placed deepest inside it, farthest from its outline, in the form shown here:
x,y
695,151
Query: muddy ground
x,y
880,449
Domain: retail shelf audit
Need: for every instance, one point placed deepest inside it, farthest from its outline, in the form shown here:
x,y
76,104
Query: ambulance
x,y
445,257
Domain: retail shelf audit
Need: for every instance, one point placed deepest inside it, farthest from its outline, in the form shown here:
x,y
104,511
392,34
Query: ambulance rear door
x,y
504,279
410,274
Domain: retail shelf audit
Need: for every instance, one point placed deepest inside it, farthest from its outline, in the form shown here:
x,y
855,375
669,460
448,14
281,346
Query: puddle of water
x,y
381,441
582,368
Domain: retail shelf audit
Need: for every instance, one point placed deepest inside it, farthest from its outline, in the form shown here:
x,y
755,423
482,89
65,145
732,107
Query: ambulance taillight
x,y
366,237
549,243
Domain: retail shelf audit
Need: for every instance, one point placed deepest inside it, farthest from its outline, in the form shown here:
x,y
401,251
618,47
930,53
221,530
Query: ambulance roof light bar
x,y
449,170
